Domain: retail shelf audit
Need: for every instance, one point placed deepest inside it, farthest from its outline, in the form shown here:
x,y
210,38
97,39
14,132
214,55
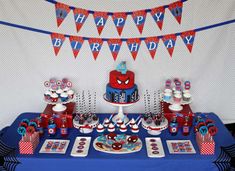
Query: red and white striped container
x,y
28,143
205,143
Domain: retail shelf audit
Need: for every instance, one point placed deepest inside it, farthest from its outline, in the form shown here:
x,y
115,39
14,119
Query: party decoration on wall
x,y
100,20
133,44
95,45
57,41
114,46
80,16
158,16
139,19
119,18
152,44
62,11
76,44
176,9
169,42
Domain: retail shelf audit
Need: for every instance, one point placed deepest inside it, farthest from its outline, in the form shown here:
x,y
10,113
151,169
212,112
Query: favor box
x,y
206,144
68,114
186,111
29,143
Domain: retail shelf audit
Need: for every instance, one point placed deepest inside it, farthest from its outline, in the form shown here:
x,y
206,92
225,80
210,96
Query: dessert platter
x,y
121,91
54,146
58,93
117,143
180,147
81,147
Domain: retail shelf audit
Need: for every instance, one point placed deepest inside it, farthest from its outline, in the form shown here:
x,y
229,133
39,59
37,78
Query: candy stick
x,y
145,104
139,122
149,105
155,102
94,103
89,101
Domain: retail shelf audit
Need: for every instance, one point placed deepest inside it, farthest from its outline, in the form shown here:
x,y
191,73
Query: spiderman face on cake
x,y
121,81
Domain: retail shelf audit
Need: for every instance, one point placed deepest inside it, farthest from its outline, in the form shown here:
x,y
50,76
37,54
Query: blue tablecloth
x,y
123,162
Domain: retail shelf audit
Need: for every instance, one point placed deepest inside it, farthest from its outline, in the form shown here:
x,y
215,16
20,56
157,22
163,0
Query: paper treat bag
x,y
29,143
205,143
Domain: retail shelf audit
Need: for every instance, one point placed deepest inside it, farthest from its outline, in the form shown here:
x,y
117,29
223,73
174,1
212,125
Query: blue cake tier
x,y
122,95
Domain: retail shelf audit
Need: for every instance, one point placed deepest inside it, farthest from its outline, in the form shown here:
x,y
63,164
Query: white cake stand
x,y
59,105
153,129
120,106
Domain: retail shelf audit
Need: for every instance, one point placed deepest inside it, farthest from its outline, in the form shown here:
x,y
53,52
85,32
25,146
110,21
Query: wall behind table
x,y
27,58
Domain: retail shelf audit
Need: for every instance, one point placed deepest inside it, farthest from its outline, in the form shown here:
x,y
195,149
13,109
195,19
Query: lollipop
x,y
25,121
30,130
21,130
33,124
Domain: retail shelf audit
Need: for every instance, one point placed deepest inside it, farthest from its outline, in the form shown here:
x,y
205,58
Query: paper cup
x,y
177,98
187,97
64,97
54,97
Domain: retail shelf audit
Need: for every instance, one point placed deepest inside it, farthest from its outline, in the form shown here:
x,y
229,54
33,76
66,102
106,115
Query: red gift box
x,y
186,111
29,143
68,114
206,144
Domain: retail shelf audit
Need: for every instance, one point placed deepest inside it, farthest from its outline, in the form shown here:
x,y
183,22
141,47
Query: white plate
x,y
124,151
150,151
174,147
175,109
85,150
56,151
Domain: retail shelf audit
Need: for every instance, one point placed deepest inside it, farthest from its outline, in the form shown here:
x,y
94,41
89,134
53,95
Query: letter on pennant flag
x,y
119,20
176,9
158,16
76,44
95,45
169,42
57,41
133,46
139,19
152,44
114,46
62,11
188,39
80,16
100,20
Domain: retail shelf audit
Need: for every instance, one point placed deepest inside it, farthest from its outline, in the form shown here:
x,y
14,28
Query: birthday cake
x,y
121,87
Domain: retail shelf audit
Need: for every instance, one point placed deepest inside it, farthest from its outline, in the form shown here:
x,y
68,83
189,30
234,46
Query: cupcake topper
x,y
168,83
122,67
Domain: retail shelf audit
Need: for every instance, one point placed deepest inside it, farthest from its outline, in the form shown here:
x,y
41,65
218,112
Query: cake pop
x,y
123,128
132,122
111,127
100,128
119,122
135,128
106,122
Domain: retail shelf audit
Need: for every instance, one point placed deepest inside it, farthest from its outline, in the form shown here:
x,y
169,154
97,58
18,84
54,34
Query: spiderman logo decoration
x,y
121,81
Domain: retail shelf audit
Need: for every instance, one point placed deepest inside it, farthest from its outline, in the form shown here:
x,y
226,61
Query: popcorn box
x,y
68,114
205,143
28,144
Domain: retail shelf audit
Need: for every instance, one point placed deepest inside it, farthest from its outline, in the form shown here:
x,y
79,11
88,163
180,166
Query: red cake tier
x,y
121,81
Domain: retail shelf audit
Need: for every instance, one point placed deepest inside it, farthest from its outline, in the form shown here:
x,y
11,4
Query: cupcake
x,y
59,91
64,97
135,129
123,128
119,122
54,97
47,95
100,128
187,97
132,122
106,122
111,127
66,89
70,93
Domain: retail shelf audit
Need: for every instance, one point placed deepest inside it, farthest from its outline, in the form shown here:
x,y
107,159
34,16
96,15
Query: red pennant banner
x,y
152,44
114,46
95,45
100,20
139,19
176,9
169,42
188,39
119,20
80,16
57,41
133,45
158,16
76,44
62,11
